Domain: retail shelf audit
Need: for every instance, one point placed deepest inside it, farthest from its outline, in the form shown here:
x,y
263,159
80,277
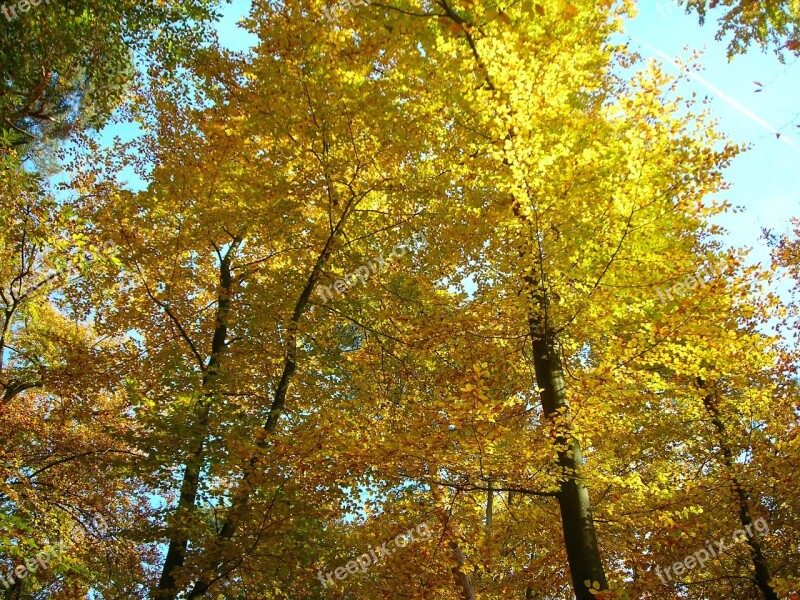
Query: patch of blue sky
x,y
231,35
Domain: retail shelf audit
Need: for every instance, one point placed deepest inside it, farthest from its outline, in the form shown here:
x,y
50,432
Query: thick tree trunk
x,y
761,571
577,524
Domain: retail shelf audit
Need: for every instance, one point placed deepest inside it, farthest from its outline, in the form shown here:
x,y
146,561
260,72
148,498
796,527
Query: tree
x,y
770,23
63,468
426,265
67,66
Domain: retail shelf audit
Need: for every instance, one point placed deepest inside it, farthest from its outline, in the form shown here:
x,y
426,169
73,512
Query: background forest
x,y
411,299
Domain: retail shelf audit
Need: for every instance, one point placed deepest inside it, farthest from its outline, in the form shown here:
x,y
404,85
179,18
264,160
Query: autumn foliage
x,y
515,381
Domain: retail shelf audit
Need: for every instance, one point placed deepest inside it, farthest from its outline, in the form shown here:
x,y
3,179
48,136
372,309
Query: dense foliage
x,y
425,269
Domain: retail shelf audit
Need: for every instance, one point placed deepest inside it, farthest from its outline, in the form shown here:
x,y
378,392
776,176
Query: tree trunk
x,y
241,500
176,553
761,571
463,580
577,524
489,507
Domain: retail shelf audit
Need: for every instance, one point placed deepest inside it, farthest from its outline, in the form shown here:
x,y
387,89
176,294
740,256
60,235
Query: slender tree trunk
x,y
489,507
463,581
176,553
577,523
241,499
761,571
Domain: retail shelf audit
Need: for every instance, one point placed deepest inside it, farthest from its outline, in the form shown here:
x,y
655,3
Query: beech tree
x,y
402,268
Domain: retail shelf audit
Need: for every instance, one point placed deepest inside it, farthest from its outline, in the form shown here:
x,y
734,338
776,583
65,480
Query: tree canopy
x,y
416,300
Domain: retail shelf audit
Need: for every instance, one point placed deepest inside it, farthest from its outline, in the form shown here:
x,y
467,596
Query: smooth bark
x,y
577,523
